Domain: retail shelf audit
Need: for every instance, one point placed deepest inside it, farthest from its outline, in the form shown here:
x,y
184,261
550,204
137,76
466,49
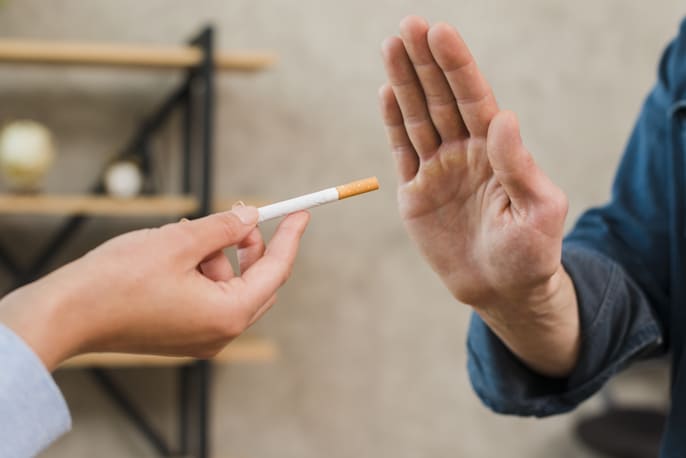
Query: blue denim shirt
x,y
627,260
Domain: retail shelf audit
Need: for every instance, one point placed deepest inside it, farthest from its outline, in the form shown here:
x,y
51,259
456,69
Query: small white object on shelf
x,y
123,179
27,152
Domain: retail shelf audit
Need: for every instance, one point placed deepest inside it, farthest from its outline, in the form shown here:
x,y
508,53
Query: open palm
x,y
489,222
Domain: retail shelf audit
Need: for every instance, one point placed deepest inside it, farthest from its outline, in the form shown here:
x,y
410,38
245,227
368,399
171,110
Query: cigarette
x,y
315,199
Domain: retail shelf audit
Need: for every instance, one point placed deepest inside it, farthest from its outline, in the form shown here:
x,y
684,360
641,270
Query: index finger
x,y
474,96
198,238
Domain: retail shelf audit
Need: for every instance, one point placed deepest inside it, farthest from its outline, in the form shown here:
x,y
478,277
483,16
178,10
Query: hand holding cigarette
x,y
168,290
315,199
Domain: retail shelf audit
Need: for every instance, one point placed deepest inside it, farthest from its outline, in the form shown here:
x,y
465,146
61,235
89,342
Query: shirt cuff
x,y
33,412
617,327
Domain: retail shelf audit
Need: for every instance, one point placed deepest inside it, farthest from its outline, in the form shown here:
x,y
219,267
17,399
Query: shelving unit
x,y
194,98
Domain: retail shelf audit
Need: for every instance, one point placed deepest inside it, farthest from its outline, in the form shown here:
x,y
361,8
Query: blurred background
x,y
371,346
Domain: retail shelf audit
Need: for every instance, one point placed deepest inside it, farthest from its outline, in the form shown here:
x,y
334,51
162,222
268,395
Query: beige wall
x,y
373,358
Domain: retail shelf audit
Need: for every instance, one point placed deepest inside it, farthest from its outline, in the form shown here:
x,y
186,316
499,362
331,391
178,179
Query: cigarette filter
x,y
315,199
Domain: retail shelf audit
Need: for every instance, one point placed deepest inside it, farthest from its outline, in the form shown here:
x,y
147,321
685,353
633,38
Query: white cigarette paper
x,y
315,199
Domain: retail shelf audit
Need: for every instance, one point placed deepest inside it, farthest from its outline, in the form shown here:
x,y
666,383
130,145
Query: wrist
x,y
541,328
45,314
534,303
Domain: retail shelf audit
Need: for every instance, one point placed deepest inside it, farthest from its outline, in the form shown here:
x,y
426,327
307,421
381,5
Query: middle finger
x,y
439,97
410,96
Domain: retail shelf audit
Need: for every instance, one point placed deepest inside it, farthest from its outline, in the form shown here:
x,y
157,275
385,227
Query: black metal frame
x,y
195,97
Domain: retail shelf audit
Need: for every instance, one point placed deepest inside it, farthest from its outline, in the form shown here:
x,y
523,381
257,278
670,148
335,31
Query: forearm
x,y
543,332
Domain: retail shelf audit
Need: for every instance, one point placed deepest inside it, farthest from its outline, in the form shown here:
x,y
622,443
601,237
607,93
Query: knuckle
x,y
402,151
558,204
229,224
383,91
181,236
415,119
440,101
528,163
284,271
234,326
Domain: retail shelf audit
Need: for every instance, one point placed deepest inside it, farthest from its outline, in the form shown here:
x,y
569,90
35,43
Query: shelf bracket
x,y
195,97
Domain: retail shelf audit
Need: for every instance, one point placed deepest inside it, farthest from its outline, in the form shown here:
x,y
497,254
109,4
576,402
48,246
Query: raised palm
x,y
486,218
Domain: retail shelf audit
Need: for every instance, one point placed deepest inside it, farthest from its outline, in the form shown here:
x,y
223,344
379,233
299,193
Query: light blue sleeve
x,y
33,412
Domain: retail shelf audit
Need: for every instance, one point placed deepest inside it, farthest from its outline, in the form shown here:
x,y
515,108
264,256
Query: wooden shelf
x,y
51,204
119,55
245,349
47,204
225,203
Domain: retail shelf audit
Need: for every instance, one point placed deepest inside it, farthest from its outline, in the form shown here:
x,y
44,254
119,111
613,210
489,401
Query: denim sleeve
x,y
33,412
617,327
619,258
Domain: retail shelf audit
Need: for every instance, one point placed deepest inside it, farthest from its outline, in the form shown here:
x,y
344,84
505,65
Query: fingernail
x,y
247,215
240,203
184,220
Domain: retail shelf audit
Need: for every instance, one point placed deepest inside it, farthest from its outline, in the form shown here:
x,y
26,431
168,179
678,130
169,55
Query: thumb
x,y
218,231
512,164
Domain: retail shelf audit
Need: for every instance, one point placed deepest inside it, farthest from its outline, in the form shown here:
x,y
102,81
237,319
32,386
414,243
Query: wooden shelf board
x,y
123,55
245,349
225,203
50,204
55,204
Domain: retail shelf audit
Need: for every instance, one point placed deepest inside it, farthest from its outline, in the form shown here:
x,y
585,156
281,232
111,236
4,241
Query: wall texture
x,y
373,358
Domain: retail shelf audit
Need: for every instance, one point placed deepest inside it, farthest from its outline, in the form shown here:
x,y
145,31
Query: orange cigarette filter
x,y
355,188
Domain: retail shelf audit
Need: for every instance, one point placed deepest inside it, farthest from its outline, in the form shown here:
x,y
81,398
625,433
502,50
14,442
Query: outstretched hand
x,y
486,218
169,290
